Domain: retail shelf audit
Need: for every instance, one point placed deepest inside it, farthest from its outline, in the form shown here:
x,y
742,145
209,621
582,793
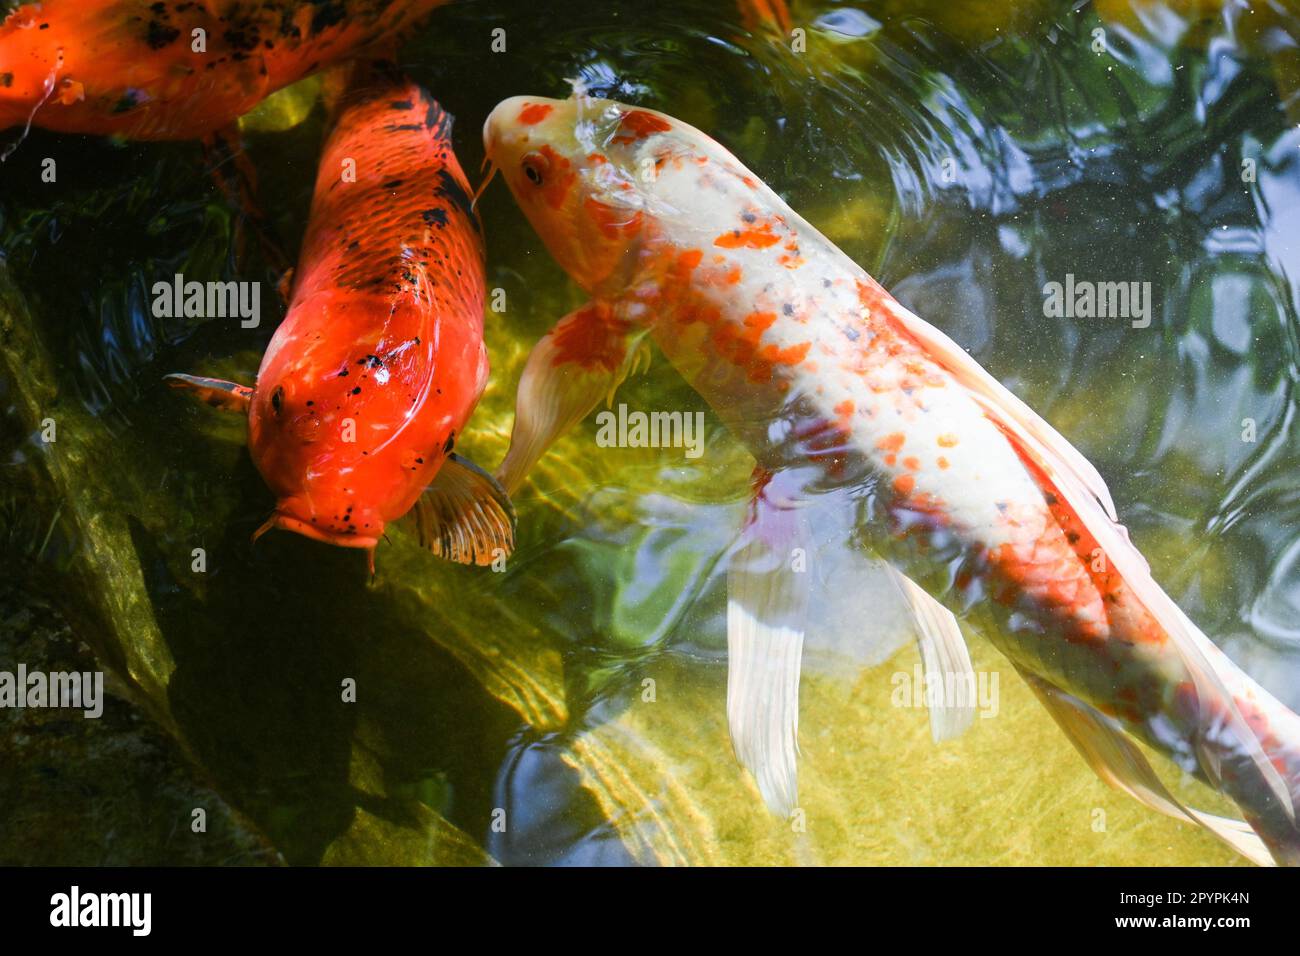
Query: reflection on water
x,y
967,156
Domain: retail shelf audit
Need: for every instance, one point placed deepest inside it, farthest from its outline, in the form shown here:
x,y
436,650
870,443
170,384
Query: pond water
x,y
572,708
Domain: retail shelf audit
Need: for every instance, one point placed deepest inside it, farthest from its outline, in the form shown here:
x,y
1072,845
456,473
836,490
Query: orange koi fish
x,y
380,360
175,69
849,401
182,69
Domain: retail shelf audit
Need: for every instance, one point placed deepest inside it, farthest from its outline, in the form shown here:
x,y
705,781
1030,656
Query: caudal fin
x,y
1238,755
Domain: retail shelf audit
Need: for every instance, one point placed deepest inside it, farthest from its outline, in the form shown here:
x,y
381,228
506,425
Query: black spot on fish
x,y
159,35
1050,499
435,217
451,443
357,390
344,372
449,189
391,184
398,127
287,27
242,38
788,309
402,105
437,121
748,217
129,101
328,13
6,79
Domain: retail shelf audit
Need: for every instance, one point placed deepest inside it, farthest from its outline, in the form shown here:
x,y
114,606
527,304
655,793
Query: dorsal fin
x,y
1019,416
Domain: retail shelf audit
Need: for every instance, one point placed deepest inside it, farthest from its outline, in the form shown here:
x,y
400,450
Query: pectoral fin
x,y
1120,763
767,605
465,515
227,396
945,660
579,362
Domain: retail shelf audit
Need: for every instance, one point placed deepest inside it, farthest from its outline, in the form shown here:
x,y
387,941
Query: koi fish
x,y
380,360
849,401
175,69
183,69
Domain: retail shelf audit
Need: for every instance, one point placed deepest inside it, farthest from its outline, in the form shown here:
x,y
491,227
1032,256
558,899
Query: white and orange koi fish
x,y
847,400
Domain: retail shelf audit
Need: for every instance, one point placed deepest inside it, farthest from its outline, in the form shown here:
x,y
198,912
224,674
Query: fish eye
x,y
535,168
277,398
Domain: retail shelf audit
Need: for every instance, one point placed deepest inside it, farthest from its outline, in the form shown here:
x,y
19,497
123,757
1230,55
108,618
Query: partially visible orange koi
x,y
380,361
181,69
175,69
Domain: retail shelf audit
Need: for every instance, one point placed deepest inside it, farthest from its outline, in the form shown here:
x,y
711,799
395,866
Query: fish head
x,y
320,493
583,170
338,426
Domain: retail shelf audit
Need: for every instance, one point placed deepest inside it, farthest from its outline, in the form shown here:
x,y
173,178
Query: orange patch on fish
x,y
559,177
904,484
638,124
891,442
948,440
756,237
596,340
612,222
688,261
534,113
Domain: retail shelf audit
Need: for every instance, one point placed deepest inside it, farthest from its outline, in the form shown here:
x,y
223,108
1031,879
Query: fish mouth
x,y
289,523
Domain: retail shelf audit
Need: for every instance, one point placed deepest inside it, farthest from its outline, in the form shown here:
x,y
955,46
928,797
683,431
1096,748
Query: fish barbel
x,y
849,401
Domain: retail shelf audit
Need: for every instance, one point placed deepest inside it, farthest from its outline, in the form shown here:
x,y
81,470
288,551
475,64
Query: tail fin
x,y
1230,751
1278,730
1119,762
